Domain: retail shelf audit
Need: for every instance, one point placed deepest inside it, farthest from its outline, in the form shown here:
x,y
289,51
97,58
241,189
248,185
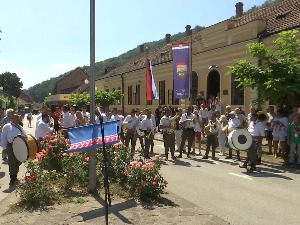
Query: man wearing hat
x,y
130,123
233,124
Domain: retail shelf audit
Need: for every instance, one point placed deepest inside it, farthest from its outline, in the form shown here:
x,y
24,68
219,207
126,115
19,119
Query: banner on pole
x,y
90,136
181,70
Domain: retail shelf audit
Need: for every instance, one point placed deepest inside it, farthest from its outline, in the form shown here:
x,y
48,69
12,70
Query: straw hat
x,y
223,118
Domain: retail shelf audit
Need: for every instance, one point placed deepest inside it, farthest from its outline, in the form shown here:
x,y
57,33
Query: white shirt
x,y
9,132
118,119
280,130
165,121
233,124
73,118
42,129
184,117
213,127
197,126
256,128
67,120
86,115
131,121
204,113
218,106
146,124
271,118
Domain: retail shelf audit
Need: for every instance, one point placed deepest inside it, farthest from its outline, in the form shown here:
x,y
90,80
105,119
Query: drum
x,y
240,139
25,147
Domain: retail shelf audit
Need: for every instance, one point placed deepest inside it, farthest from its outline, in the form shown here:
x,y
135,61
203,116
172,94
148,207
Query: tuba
x,y
262,117
148,133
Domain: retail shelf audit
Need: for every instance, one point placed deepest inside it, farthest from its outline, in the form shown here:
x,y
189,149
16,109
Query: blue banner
x,y
90,136
181,70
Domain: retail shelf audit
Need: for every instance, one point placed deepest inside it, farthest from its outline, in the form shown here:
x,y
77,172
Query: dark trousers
x,y
13,163
141,139
169,143
251,153
187,134
148,143
211,142
130,137
237,153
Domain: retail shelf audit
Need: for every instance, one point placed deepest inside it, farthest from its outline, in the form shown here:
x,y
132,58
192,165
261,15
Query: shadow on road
x,y
10,189
263,173
181,163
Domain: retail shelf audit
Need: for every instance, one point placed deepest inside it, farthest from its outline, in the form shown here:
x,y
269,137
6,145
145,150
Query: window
x,y
171,99
237,94
130,95
162,100
137,99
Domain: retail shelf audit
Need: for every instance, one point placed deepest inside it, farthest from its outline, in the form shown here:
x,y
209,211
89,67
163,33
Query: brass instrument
x,y
263,117
172,127
148,133
208,127
225,129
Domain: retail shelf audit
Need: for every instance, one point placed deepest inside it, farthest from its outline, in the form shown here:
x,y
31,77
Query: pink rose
x,y
125,172
143,183
165,182
64,154
153,183
156,177
157,156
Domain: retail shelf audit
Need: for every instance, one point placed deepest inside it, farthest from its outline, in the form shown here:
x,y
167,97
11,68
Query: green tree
x,y
79,100
106,99
279,77
11,84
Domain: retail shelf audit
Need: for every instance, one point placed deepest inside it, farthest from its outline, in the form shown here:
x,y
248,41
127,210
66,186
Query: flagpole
x,y
191,70
92,152
146,75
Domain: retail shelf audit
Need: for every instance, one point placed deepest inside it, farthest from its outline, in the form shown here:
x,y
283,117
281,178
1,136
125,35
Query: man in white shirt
x,y
43,127
188,122
147,125
212,133
72,116
168,128
85,114
66,122
233,124
9,132
141,116
129,124
257,131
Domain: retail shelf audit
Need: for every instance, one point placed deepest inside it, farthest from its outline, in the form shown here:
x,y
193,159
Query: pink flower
x,y
125,172
133,163
153,183
87,159
65,175
43,151
136,189
139,164
64,154
165,182
148,160
157,156
71,154
156,177
143,183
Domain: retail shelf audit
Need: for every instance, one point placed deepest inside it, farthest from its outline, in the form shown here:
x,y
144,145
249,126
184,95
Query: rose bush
x,y
54,172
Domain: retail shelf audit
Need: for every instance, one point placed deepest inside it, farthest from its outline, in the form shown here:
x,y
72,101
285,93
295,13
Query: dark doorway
x,y
213,84
194,88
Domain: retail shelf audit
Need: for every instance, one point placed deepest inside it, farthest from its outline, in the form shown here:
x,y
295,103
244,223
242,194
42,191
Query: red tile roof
x,y
280,16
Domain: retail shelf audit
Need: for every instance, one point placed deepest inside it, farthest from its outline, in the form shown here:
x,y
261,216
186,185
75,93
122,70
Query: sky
x,y
41,39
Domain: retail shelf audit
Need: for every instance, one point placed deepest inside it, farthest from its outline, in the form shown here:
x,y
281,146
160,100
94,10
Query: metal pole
x,y
191,71
92,152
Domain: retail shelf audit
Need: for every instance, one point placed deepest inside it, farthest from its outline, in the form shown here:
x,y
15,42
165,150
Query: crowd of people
x,y
178,126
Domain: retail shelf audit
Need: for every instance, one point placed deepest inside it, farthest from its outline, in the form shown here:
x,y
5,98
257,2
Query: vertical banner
x,y
181,70
151,91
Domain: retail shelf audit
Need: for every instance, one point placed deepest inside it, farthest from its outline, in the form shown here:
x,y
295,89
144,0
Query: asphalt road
x,y
269,196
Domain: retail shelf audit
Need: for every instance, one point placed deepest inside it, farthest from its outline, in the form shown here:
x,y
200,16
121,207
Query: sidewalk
x,y
177,211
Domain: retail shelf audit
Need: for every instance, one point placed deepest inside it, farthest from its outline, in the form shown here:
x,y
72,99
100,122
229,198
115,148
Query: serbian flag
x,y
90,136
150,84
181,70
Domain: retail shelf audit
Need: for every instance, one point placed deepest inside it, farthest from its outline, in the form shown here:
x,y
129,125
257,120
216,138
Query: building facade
x,y
213,50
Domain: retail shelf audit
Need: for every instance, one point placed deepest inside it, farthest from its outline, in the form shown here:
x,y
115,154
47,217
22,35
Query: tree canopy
x,y
11,84
278,79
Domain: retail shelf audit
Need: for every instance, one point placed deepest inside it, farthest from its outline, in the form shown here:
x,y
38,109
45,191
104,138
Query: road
x,y
268,197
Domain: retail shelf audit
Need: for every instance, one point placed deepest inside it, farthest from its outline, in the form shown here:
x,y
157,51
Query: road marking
x,y
242,176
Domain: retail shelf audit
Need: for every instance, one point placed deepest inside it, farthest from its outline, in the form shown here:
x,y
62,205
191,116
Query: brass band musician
x,y
147,125
212,132
167,124
233,124
129,124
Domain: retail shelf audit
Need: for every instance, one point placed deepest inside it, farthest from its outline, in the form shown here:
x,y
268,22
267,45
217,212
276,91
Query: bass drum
x,y
240,139
24,147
